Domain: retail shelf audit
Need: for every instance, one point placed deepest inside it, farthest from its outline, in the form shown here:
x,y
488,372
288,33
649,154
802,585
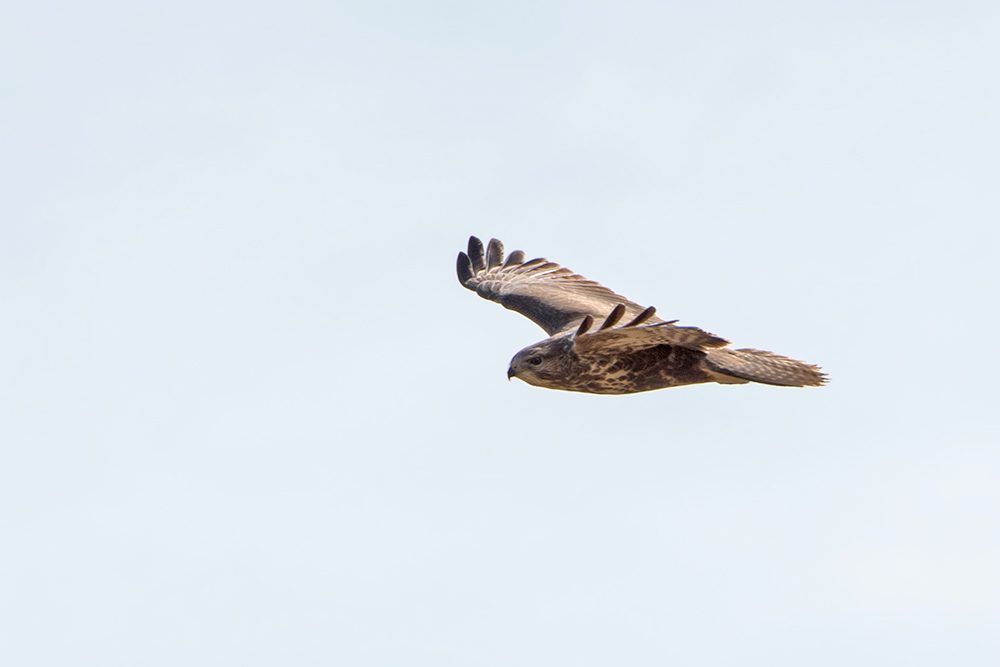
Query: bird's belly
x,y
658,367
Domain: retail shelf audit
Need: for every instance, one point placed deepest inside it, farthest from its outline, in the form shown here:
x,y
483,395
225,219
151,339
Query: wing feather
x,y
613,318
550,295
516,257
649,335
476,254
642,317
494,255
465,270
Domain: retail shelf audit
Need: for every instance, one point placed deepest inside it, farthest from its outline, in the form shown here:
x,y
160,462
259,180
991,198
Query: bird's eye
x,y
535,361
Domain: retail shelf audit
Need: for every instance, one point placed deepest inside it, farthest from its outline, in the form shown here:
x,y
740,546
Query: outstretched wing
x,y
765,367
640,337
550,295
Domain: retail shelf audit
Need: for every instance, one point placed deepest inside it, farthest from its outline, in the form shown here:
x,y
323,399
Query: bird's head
x,y
542,364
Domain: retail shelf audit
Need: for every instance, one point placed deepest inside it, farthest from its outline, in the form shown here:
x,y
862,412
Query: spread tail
x,y
759,366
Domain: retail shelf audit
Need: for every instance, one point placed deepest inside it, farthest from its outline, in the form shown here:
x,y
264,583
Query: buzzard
x,y
602,343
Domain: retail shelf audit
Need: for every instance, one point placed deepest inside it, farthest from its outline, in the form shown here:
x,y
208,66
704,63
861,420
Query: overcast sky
x,y
248,416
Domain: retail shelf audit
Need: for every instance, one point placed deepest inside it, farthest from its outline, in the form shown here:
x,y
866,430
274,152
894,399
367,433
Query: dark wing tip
x,y
494,254
516,257
613,318
585,325
465,272
476,254
642,317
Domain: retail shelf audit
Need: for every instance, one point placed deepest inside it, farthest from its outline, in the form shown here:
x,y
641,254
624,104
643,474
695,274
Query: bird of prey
x,y
628,351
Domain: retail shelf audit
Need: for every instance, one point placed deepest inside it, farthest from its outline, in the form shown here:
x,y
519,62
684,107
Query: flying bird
x,y
602,343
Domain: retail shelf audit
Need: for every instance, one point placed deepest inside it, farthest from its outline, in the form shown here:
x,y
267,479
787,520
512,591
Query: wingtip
x,y
642,317
819,378
494,254
613,317
476,255
464,266
515,258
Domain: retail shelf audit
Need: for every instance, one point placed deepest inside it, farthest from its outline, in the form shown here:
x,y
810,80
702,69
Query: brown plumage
x,y
643,354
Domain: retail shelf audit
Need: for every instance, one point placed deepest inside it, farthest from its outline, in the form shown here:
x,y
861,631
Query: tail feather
x,y
763,367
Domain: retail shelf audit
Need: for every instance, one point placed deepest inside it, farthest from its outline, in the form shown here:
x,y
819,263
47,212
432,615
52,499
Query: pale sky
x,y
248,416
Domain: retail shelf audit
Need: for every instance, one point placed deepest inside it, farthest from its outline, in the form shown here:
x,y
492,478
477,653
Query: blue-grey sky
x,y
249,417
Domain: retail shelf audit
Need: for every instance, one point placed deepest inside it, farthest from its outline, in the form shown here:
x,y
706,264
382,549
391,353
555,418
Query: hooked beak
x,y
511,373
